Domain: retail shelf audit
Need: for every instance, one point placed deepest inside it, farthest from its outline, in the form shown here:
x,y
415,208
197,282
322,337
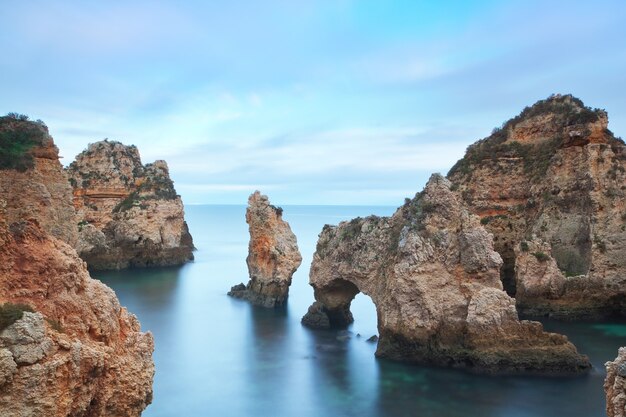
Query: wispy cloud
x,y
319,102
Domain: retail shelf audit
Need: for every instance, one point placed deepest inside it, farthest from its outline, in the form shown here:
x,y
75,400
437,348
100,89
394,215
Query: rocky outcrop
x,y
79,352
433,275
551,186
32,181
615,385
67,348
130,214
273,255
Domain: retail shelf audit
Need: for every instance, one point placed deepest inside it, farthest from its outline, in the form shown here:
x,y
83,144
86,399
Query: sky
x,y
312,102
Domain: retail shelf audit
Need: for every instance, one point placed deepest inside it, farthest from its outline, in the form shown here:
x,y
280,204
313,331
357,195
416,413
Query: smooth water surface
x,y
218,356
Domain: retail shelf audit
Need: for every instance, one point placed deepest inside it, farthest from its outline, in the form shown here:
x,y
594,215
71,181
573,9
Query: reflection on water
x,y
220,356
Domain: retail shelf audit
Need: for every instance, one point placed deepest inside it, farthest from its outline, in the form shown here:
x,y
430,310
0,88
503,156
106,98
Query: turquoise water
x,y
217,356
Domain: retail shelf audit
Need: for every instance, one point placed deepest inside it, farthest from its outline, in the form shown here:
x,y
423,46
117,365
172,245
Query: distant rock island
x,y
273,255
67,347
129,214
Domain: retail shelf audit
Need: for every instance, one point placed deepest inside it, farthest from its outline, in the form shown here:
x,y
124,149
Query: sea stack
x,y
129,213
615,385
67,347
433,275
550,184
273,255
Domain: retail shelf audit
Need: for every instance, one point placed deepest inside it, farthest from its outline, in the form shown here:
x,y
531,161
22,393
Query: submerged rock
x,y
273,255
615,385
552,182
434,278
130,214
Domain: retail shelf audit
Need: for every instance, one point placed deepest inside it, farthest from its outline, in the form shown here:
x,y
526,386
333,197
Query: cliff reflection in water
x,y
219,356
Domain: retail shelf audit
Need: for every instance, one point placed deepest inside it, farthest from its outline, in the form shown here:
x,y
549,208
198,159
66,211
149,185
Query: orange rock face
x,y
273,255
84,354
41,192
74,351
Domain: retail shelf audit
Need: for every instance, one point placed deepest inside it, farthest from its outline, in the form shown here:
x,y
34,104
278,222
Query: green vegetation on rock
x,y
18,136
10,313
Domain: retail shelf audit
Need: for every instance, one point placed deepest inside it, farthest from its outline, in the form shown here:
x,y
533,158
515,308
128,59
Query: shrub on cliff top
x,y
17,138
541,257
10,313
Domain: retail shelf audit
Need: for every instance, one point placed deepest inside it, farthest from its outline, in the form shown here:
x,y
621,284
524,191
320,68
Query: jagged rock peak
x,y
32,181
130,213
615,385
433,275
273,254
555,175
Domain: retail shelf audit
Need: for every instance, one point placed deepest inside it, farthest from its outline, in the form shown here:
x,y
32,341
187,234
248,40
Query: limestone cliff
x,y
78,353
615,385
130,214
32,181
67,348
551,186
433,275
273,254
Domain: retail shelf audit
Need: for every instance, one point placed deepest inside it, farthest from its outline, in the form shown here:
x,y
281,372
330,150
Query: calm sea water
x,y
217,356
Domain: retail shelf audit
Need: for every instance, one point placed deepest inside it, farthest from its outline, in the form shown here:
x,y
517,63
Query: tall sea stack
x,y
273,255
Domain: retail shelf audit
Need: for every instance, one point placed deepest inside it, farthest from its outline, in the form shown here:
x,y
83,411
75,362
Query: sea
x,y
219,356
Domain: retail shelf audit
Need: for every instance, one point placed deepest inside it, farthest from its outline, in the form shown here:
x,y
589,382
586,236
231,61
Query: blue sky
x,y
312,102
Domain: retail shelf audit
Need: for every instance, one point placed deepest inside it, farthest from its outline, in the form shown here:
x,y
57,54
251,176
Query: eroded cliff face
x,y
551,186
130,214
273,255
79,353
67,348
32,181
615,385
434,277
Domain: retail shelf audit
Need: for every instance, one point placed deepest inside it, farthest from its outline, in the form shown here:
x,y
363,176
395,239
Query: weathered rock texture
x,y
80,353
273,255
551,186
130,214
32,181
434,277
615,385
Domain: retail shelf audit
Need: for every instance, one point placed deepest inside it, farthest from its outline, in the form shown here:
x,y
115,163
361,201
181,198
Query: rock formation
x,y
434,277
273,255
79,353
130,214
551,186
33,180
615,385
67,348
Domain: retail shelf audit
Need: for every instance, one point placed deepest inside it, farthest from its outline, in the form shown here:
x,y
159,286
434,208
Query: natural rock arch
x,y
432,273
